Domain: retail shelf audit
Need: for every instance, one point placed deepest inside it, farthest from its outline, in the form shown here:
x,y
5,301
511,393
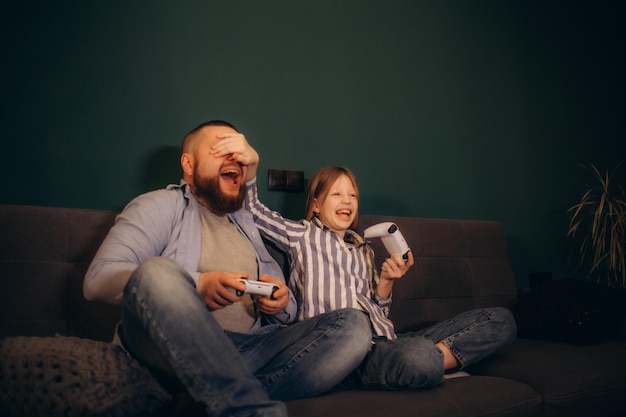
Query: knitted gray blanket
x,y
68,376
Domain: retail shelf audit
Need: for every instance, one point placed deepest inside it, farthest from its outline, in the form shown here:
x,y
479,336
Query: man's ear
x,y
186,162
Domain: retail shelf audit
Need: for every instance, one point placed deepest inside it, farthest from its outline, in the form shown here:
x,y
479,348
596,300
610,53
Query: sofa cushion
x,y
467,396
574,380
73,377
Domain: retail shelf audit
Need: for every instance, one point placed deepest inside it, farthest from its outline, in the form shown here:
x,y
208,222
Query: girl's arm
x,y
393,268
272,225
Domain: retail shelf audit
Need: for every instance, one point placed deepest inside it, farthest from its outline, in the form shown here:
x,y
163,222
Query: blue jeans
x,y
167,327
413,361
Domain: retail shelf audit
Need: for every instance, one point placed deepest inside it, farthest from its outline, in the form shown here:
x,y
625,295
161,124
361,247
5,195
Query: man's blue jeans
x,y
167,326
413,361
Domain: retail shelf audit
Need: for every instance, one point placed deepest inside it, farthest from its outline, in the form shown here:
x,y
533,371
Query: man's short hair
x,y
188,145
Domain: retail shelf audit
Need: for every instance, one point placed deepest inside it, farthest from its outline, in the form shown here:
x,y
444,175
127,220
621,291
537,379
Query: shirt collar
x,y
350,237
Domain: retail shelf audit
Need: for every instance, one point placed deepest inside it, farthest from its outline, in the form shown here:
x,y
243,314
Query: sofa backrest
x,y
459,265
44,254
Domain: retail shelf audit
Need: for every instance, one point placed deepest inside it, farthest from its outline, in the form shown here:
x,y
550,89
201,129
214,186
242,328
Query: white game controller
x,y
391,236
257,288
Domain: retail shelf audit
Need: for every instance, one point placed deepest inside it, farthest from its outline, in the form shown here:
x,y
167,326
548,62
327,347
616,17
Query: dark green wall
x,y
464,109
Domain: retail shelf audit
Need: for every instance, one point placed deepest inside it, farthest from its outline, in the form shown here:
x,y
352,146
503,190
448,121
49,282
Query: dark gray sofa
x,y
460,264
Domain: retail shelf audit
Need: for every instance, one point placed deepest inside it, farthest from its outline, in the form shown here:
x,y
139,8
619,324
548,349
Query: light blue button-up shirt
x,y
166,223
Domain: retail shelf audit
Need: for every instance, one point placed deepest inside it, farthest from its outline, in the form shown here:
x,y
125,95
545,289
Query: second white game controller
x,y
391,237
257,288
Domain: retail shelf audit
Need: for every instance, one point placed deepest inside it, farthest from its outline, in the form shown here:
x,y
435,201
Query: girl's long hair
x,y
319,186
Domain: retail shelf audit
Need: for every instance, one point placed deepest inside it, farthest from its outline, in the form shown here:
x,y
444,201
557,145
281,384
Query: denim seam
x,y
196,381
307,349
449,341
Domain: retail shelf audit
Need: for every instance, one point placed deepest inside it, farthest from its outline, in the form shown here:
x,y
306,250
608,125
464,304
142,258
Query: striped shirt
x,y
326,272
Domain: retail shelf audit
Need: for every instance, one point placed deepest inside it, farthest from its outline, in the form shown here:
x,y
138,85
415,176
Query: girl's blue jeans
x,y
414,361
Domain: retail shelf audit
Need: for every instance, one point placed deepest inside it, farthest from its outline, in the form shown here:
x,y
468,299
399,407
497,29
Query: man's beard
x,y
208,189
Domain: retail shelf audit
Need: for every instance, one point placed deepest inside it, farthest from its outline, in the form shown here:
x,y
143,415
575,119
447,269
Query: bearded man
x,y
174,260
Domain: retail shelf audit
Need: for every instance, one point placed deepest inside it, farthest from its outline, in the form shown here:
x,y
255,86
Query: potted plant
x,y
598,225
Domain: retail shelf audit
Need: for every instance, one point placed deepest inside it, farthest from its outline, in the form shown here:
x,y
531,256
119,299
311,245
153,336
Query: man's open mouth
x,y
231,175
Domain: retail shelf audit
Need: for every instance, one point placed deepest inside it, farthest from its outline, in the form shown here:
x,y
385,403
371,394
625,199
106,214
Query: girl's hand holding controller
x,y
401,257
395,267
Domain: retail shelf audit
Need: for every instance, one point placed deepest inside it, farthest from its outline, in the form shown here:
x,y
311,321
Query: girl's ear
x,y
316,207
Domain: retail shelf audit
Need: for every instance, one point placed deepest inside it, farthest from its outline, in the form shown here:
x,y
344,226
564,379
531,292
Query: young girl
x,y
332,267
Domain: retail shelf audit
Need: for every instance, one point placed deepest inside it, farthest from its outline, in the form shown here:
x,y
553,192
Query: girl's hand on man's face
x,y
235,145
